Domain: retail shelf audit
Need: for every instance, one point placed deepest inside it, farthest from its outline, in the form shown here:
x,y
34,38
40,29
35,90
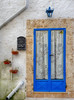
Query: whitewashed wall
x,y
17,27
36,8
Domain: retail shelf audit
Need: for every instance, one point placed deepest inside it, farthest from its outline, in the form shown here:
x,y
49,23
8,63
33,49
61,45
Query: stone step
x,y
49,99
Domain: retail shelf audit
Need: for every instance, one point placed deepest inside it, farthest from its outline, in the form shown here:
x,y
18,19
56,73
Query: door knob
x,y
51,55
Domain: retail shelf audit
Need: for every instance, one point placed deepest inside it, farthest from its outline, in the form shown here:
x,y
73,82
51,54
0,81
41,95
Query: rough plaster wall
x,y
17,27
8,40
36,8
9,8
63,8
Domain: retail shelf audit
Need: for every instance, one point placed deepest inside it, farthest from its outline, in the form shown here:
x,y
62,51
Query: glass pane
x,y
42,55
57,51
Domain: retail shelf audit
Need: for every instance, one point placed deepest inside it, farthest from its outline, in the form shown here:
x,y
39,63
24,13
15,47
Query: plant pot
x,y
7,62
14,52
13,71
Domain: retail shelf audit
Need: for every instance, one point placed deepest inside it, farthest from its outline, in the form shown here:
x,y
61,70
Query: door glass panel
x,y
57,52
41,54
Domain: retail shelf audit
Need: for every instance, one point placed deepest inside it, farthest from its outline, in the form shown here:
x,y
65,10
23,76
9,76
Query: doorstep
x,y
49,99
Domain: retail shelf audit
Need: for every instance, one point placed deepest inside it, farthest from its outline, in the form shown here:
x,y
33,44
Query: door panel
x,y
57,86
57,52
41,86
41,54
41,73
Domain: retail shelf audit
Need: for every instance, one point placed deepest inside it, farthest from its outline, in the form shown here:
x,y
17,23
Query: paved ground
x,y
49,99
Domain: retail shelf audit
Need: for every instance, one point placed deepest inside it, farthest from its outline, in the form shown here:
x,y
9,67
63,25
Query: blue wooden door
x,y
49,60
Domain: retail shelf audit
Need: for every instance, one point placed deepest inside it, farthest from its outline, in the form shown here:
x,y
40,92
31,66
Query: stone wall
x,y
51,23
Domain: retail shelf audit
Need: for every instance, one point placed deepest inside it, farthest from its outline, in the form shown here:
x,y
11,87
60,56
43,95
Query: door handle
x,y
51,55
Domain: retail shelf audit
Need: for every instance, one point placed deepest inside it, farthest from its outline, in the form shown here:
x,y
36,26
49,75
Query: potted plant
x,y
14,71
14,52
7,61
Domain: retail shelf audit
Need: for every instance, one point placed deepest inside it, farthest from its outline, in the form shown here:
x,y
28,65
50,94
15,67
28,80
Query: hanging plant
x,y
14,52
7,61
14,71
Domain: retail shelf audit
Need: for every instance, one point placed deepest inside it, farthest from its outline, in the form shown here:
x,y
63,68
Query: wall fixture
x,y
49,12
21,43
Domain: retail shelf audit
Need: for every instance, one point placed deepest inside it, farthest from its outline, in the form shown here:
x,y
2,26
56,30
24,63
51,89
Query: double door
x,y
50,60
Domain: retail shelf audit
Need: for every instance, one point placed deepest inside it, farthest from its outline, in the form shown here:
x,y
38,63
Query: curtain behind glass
x,y
57,51
42,55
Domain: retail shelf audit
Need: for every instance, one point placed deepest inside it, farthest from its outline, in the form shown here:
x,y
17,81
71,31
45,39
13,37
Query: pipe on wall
x,y
15,90
15,15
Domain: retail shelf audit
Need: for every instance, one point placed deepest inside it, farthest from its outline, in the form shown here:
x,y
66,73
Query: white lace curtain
x,y
42,54
57,51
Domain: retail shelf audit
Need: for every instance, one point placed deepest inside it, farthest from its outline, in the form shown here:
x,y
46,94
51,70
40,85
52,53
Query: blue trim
x,y
38,29
49,82
49,58
56,80
35,54
64,58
